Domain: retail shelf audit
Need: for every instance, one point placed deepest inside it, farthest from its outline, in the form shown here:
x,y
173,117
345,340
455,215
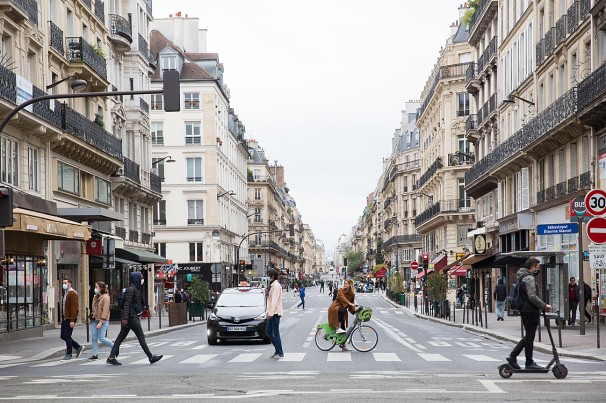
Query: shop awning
x,y
48,226
477,231
89,214
439,262
423,273
460,270
473,259
139,255
453,264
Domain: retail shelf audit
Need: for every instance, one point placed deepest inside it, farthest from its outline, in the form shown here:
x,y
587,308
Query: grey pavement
x,y
574,345
51,345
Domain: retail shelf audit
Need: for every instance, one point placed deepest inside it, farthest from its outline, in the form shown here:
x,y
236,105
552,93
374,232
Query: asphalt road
x,y
414,359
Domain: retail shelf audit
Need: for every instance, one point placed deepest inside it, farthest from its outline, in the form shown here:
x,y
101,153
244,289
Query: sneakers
x,y
277,356
340,331
66,357
533,365
113,361
344,348
513,362
93,357
155,358
79,351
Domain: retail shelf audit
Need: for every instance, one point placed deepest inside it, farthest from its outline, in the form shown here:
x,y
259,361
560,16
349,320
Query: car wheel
x,y
212,341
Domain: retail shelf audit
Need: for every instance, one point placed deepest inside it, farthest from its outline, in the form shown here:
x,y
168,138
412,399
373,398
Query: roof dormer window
x,y
169,62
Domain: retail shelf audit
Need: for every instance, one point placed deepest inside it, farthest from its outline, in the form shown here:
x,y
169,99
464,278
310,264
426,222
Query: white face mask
x,y
65,286
142,281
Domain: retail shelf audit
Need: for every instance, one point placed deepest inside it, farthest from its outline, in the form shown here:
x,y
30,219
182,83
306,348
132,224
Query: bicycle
x,y
362,337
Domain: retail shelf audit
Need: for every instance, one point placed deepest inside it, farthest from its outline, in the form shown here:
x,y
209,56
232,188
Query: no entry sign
x,y
596,230
414,265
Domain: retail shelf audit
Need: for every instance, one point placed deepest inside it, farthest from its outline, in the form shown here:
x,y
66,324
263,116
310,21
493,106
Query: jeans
x,y
500,309
531,322
66,335
572,306
99,336
135,325
302,302
273,332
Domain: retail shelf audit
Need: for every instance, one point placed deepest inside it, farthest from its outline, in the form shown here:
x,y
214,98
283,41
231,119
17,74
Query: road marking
x,y
491,386
52,363
397,338
157,343
245,357
182,343
382,357
146,360
198,359
470,345
399,313
8,357
384,312
439,343
200,347
291,357
338,357
479,357
433,357
101,361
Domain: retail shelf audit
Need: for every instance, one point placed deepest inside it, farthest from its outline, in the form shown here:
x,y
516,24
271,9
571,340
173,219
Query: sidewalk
x,y
573,344
51,345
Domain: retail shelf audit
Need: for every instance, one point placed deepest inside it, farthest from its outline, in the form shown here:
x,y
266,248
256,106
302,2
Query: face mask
x,y
65,286
142,281
536,273
96,291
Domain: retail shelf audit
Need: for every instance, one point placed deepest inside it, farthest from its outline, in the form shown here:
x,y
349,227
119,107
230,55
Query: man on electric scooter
x,y
530,312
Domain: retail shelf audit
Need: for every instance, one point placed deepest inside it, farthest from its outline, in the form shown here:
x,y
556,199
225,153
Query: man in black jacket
x,y
133,307
573,301
587,298
530,312
500,294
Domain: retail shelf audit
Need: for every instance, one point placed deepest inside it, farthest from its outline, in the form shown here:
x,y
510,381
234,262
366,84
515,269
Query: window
x,y
32,168
257,194
157,132
463,105
103,191
132,216
31,67
194,169
119,208
160,249
192,100
192,133
68,178
464,202
157,102
258,215
145,220
195,252
258,239
256,174
195,212
160,213
462,231
169,63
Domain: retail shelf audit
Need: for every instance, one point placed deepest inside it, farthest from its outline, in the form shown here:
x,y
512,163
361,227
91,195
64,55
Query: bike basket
x,y
365,314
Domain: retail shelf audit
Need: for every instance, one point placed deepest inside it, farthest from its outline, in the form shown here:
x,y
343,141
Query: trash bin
x,y
402,299
196,310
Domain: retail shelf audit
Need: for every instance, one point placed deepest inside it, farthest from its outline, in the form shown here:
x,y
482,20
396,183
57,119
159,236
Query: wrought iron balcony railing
x,y
540,51
148,6
90,132
445,207
444,72
88,3
80,50
593,87
160,221
470,74
561,30
585,180
144,106
43,109
30,7
155,182
131,170
56,38
146,238
100,11
572,17
560,189
8,84
458,159
550,193
477,15
144,49
195,221
549,41
121,232
481,63
573,184
121,27
471,125
133,236
386,203
401,240
541,196
437,164
585,7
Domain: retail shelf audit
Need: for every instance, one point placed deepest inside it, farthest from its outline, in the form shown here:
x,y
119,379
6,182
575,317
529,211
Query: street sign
x,y
577,207
596,230
414,265
597,256
552,229
414,273
595,202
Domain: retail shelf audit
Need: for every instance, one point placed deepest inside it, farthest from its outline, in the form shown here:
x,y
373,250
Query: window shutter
x,y
499,202
525,189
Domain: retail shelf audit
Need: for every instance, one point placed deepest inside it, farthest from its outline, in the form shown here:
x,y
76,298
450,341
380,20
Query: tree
x,y
354,260
437,284
379,255
198,290
473,5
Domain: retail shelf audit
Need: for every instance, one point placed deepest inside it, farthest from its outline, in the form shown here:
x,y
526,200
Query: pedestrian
x,y
274,313
322,286
302,296
383,285
460,296
573,301
100,321
530,312
337,312
70,316
185,296
587,298
132,308
330,288
178,296
500,294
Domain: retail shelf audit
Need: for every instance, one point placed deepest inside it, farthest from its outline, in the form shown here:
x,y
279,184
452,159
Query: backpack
x,y
121,298
515,298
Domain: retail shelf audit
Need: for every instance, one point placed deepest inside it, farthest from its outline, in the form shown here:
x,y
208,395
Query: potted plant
x,y
437,284
199,295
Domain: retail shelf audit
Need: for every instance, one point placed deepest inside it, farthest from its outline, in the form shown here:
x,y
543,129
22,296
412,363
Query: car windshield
x,y
242,299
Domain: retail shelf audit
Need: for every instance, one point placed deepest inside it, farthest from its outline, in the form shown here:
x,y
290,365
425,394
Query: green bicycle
x,y
362,337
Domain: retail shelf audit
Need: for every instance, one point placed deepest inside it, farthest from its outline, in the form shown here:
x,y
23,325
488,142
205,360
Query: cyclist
x,y
344,301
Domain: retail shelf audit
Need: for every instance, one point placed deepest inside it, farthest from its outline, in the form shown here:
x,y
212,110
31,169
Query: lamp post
x,y
511,101
168,158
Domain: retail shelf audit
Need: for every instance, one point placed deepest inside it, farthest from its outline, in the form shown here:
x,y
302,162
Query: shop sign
x,y
94,247
519,222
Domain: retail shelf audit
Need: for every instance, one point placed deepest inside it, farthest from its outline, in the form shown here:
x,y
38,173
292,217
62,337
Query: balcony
x,y
133,236
121,232
561,30
472,83
444,72
401,240
437,164
146,238
144,106
464,206
561,189
155,183
592,98
573,184
572,17
148,7
386,203
19,10
56,38
550,42
145,52
585,180
131,170
195,221
457,159
540,51
100,11
541,197
121,33
481,20
585,7
91,133
488,58
78,50
550,193
160,222
88,3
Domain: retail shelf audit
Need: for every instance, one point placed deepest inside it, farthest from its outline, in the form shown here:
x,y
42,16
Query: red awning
x,y
458,271
440,262
382,272
423,273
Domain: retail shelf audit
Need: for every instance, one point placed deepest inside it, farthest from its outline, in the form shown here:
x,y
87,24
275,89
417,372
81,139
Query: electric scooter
x,y
559,370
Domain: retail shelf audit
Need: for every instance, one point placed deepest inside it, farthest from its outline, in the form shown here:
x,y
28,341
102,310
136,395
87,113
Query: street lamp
x,y
168,158
229,192
77,86
510,100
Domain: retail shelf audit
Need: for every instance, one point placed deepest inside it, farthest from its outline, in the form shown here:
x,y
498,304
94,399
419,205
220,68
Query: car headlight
x,y
263,316
212,316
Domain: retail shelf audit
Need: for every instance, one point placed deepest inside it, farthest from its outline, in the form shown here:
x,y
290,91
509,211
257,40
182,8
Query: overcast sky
x,y
321,85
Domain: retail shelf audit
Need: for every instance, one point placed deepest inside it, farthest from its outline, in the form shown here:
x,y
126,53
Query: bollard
x,y
454,311
160,317
486,316
480,314
59,313
464,312
87,327
540,329
559,323
148,318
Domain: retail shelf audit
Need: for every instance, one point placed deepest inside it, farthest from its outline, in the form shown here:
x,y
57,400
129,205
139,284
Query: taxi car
x,y
238,314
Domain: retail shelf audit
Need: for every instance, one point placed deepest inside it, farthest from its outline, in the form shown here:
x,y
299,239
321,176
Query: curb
x,y
543,348
59,352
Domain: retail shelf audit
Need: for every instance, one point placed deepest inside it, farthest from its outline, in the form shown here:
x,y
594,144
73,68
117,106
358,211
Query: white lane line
x,y
491,386
397,338
102,361
384,312
290,357
480,357
469,345
245,357
383,357
183,343
338,357
433,357
200,347
399,313
146,360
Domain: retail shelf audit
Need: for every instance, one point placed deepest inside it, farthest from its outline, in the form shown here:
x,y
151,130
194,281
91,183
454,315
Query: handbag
x,y
91,317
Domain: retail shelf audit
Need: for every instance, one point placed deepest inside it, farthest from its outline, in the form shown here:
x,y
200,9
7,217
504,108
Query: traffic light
x,y
425,261
6,206
172,91
291,229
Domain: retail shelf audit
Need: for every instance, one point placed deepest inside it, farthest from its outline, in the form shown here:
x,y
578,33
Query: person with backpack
x,y
131,304
500,294
526,300
302,296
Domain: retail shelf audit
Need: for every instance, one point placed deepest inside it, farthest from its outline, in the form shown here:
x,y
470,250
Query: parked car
x,y
239,313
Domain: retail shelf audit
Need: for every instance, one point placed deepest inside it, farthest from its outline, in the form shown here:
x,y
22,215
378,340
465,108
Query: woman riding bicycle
x,y
344,301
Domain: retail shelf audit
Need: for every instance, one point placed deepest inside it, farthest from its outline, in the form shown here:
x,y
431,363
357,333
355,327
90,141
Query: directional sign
x,y
597,256
596,230
552,229
414,265
595,202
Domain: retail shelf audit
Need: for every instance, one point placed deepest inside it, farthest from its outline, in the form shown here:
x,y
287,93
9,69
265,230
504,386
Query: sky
x,y
321,85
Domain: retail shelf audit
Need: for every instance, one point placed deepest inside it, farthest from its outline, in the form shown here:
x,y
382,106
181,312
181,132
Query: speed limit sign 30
x,y
595,202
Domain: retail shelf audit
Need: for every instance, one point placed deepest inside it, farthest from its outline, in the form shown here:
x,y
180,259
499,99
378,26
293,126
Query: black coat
x,y
587,293
500,292
133,300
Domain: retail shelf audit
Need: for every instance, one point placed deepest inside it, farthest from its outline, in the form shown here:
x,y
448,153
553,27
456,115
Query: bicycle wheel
x,y
364,338
321,341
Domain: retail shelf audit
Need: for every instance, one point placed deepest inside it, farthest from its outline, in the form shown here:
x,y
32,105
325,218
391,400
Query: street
x,y
414,359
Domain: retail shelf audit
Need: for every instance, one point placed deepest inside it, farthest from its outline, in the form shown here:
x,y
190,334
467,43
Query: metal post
x,y
540,329
87,327
148,318
597,306
486,316
480,313
581,281
559,330
454,311
59,313
160,318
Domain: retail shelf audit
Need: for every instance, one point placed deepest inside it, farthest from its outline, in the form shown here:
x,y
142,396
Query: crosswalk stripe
x,y
182,343
290,357
157,343
383,312
199,359
146,360
432,357
338,357
439,343
399,313
245,357
200,347
480,357
381,357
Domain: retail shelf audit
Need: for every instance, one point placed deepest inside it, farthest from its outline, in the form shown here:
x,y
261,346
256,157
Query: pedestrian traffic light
x,y
425,260
172,91
291,229
6,207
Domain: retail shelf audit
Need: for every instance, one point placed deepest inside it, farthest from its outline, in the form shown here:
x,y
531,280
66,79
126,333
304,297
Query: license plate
x,y
236,328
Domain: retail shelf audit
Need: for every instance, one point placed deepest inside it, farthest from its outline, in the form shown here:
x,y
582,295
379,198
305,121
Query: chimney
x,y
279,174
178,14
462,9
453,29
